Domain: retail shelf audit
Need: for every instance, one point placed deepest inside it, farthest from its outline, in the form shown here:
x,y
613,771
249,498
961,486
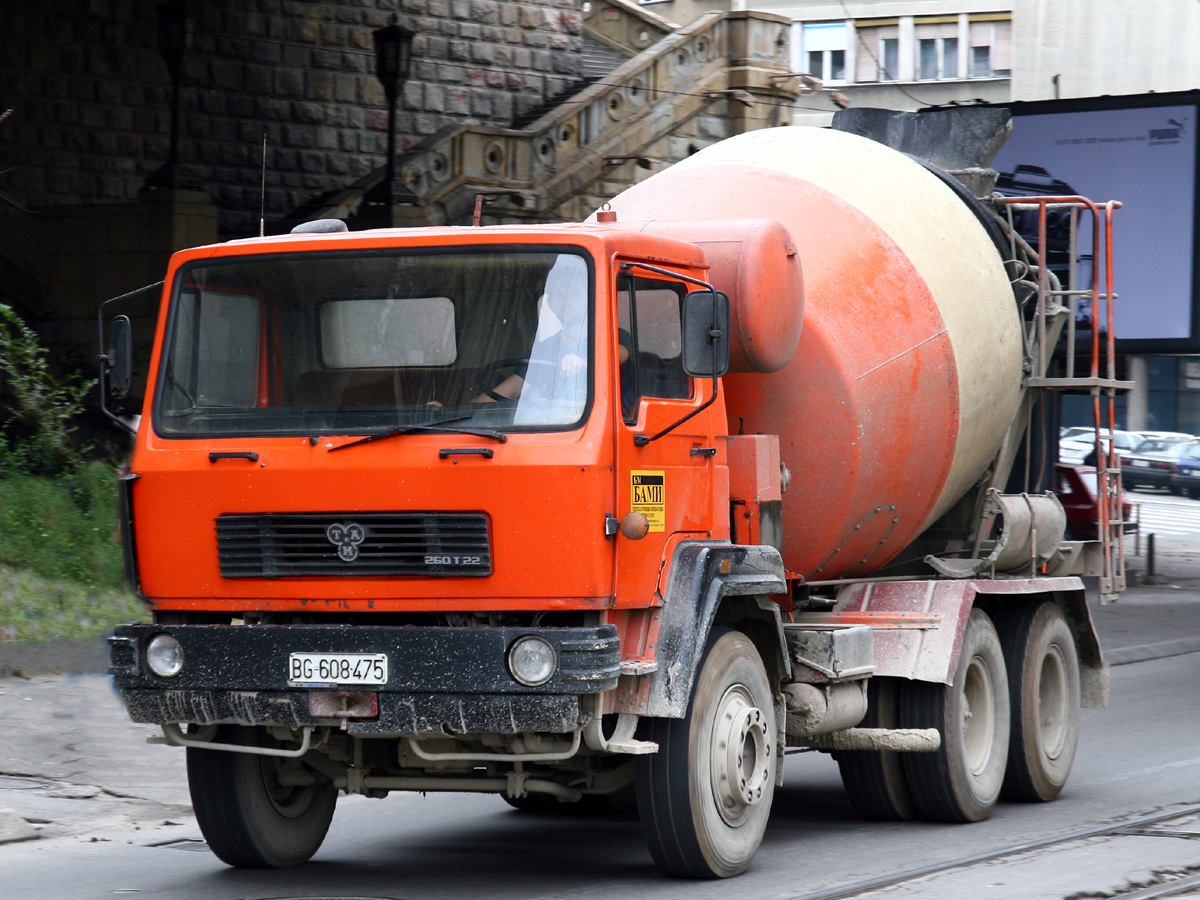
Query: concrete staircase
x,y
679,90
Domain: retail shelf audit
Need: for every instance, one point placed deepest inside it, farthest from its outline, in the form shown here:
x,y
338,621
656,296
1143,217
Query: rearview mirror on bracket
x,y
119,359
706,334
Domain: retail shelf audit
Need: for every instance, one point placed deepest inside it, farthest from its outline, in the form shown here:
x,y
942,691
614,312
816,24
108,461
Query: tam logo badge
x,y
346,537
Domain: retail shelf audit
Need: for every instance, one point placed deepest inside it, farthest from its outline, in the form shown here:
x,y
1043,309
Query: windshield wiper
x,y
435,426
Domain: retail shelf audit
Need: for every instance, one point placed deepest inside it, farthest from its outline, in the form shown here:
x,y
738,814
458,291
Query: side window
x,y
648,312
217,364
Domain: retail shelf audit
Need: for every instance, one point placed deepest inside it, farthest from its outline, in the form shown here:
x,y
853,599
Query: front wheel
x,y
704,798
961,781
254,811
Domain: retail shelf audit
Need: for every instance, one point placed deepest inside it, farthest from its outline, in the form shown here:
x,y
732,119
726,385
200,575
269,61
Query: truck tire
x,y
704,798
961,781
875,780
248,819
1043,667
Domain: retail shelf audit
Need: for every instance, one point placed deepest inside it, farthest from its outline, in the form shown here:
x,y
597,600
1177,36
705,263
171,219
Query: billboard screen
x,y
1141,151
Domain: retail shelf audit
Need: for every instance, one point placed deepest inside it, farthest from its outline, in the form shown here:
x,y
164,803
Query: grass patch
x,y
61,569
38,609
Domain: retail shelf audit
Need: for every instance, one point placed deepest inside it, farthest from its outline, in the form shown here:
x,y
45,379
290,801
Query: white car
x,y
1075,449
1169,436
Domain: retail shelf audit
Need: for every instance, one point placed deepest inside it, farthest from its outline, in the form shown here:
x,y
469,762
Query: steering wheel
x,y
487,375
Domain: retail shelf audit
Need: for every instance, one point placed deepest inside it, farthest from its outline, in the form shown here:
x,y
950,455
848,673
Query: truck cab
x,y
313,383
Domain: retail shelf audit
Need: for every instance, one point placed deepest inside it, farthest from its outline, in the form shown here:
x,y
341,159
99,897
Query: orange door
x,y
669,480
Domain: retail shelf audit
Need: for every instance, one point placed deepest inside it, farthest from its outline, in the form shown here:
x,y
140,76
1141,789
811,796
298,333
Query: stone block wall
x,y
91,95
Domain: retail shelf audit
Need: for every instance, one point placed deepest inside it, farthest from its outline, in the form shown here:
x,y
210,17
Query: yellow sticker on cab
x,y
648,496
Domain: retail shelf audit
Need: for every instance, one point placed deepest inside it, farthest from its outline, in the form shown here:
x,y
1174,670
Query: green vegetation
x,y
61,570
39,433
38,609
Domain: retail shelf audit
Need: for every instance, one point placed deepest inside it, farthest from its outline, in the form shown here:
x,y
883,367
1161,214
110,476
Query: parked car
x,y
1152,464
1077,493
1075,432
1074,450
1185,476
1175,436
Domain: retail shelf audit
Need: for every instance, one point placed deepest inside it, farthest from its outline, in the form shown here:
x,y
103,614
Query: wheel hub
x,y
1053,705
978,716
741,755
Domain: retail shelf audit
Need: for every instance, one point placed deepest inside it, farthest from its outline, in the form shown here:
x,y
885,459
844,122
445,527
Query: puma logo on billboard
x,y
1172,133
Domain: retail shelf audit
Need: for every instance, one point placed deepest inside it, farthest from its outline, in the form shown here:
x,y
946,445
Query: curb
x,y
20,659
1141,652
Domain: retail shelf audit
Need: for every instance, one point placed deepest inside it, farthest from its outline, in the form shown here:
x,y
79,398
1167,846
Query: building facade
x,y
890,54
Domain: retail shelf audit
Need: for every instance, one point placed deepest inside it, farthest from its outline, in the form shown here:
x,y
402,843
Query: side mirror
x,y
706,334
119,359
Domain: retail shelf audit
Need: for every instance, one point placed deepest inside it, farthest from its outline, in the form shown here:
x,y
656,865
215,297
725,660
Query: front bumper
x,y
440,680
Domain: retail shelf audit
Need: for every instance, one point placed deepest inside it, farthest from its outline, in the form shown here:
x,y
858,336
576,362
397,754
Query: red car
x,y
1077,492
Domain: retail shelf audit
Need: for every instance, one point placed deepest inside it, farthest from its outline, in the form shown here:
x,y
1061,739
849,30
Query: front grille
x,y
341,545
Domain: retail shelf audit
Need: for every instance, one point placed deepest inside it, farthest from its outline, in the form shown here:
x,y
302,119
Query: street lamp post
x,y
393,58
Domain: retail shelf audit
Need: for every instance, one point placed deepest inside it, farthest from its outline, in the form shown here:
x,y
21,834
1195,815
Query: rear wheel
x,y
961,781
875,780
704,798
248,814
1039,649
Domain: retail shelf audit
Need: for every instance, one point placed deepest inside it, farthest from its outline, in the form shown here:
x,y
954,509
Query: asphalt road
x,y
1141,754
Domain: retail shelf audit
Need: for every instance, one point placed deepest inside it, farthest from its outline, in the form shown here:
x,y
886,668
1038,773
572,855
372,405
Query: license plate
x,y
1141,462
337,669
1192,473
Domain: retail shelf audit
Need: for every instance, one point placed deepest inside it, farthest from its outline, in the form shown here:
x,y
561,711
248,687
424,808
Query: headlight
x,y
164,656
532,660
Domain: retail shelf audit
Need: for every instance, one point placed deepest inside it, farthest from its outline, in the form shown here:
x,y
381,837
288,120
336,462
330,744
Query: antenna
x,y
262,201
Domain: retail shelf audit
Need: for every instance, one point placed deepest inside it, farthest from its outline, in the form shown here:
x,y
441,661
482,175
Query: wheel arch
x,y
715,583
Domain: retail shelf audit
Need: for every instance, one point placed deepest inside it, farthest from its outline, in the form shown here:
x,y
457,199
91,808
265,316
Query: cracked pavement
x,y
66,770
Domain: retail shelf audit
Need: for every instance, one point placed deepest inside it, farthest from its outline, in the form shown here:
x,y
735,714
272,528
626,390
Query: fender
x,y
936,612
702,574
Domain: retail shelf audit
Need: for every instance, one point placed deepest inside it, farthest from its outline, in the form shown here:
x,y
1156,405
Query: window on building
x,y
937,40
889,59
990,52
937,58
877,51
828,65
949,58
981,62
824,53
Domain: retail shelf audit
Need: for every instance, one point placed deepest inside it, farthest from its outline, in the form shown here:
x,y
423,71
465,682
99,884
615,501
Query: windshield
x,y
342,343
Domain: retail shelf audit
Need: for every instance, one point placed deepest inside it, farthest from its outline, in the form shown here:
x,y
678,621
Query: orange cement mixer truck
x,y
617,512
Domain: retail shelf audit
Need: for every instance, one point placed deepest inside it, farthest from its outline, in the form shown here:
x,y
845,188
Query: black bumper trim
x,y
421,660
399,714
